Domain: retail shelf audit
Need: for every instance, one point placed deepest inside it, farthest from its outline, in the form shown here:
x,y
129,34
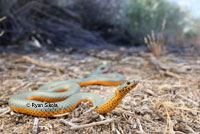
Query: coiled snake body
x,y
50,99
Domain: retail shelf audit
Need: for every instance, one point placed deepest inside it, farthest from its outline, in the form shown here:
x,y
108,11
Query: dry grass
x,y
160,104
156,43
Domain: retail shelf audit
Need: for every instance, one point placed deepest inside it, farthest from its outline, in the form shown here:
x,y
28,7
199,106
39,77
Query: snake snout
x,y
134,83
128,85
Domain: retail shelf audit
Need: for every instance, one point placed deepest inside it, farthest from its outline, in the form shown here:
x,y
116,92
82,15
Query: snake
x,y
60,97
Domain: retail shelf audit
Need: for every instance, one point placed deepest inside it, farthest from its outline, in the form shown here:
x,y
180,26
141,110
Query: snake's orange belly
x,y
47,114
49,100
100,83
109,106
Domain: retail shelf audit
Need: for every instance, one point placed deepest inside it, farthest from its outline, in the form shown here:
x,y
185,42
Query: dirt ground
x,y
165,101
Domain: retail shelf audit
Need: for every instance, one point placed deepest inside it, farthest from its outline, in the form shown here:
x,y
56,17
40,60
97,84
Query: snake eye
x,y
128,83
102,68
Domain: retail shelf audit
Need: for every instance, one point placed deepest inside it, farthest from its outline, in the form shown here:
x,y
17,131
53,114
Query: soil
x,y
165,101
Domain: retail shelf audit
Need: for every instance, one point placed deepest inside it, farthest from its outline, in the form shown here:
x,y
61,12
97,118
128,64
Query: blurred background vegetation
x,y
145,16
115,21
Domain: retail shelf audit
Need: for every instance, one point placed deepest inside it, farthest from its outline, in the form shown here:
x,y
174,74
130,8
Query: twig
x,y
3,18
190,100
113,129
2,126
42,64
89,110
190,129
30,68
149,91
4,111
179,132
35,126
169,73
160,66
101,117
77,120
92,124
139,125
120,129
120,111
1,33
60,115
170,124
117,131
36,42
68,123
91,119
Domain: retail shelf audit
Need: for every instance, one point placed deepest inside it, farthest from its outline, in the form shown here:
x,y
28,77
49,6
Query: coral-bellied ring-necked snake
x,y
63,96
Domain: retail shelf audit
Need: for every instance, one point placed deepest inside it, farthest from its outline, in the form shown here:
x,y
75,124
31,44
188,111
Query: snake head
x,y
128,85
102,69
